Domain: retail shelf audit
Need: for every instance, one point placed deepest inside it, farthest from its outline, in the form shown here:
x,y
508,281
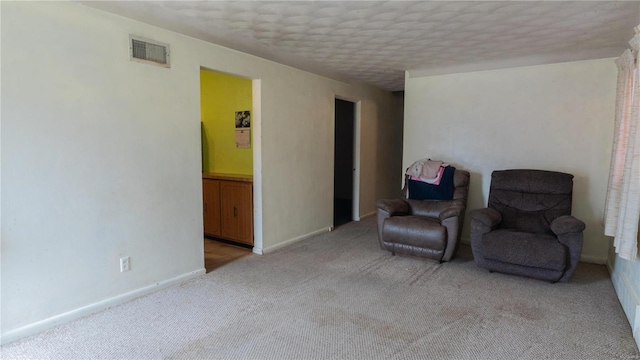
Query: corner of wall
x,y
636,326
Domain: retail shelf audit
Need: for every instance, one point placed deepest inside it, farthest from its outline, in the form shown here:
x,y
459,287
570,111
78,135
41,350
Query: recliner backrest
x,y
529,200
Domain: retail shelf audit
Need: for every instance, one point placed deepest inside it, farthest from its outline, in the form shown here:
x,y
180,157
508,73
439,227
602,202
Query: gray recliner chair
x,y
425,228
527,228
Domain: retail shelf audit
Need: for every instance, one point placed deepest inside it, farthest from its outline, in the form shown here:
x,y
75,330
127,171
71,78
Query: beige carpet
x,y
338,296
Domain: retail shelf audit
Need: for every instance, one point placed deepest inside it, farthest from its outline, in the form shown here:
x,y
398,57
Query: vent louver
x,y
149,51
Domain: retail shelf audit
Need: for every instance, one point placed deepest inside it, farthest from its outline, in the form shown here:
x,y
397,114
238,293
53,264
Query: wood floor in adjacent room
x,y
217,253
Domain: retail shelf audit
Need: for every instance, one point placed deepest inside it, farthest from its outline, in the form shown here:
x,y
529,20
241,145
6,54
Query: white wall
x,y
626,280
554,117
101,159
381,146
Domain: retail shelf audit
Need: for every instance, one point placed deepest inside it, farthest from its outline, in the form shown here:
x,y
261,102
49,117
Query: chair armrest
x,y
569,232
451,211
482,222
393,206
566,224
486,216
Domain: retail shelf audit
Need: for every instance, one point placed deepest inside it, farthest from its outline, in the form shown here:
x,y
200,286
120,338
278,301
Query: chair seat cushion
x,y
526,249
417,231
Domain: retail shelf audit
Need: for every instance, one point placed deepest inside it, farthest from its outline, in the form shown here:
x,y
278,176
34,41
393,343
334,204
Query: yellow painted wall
x,y
221,95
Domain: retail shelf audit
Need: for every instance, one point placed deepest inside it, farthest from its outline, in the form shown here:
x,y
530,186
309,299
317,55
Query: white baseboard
x,y
291,241
366,216
593,259
257,250
53,321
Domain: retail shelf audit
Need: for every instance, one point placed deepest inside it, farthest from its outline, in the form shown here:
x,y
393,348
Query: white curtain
x,y
622,208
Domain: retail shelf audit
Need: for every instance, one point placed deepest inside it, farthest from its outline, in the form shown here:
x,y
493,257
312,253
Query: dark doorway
x,y
343,162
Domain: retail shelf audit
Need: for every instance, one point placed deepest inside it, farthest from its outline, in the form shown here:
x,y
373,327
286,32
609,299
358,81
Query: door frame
x,y
256,147
256,142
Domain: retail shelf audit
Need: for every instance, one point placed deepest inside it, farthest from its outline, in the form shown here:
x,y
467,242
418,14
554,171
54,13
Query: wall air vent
x,y
149,51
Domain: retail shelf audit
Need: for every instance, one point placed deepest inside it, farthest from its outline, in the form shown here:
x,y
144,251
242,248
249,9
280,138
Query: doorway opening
x,y
226,103
344,162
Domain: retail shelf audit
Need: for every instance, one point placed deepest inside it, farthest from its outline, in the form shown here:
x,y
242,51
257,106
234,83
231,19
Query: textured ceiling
x,y
376,41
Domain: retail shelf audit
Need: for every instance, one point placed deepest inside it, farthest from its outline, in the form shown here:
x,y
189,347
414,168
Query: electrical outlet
x,y
125,264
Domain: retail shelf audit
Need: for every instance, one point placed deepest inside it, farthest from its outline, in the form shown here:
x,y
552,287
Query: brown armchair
x,y
527,228
425,228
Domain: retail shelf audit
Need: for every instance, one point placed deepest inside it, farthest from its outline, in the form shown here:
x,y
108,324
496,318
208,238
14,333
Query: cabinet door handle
x,y
235,211
205,207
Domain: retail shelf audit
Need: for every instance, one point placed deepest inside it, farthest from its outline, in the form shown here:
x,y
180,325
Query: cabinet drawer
x,y
236,207
211,207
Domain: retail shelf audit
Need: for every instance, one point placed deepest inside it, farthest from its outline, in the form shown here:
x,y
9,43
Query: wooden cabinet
x,y
228,207
211,206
